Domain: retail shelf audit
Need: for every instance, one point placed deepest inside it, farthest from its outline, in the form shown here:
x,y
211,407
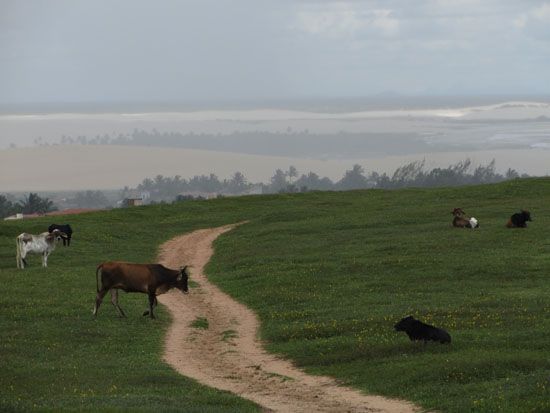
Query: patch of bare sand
x,y
82,167
228,355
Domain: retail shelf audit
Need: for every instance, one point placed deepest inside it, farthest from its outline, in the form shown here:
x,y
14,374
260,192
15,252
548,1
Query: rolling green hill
x,y
328,274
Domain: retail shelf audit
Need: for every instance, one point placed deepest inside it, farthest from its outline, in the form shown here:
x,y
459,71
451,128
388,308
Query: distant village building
x,y
256,189
197,195
12,217
129,202
70,211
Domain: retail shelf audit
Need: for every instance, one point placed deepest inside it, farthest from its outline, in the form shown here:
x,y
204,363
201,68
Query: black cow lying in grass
x,y
519,220
417,331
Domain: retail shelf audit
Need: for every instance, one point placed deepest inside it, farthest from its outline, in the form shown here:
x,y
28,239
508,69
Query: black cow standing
x,y
519,220
66,228
419,331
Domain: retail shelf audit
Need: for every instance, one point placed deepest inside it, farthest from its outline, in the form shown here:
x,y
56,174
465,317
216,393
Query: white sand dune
x,y
524,110
76,167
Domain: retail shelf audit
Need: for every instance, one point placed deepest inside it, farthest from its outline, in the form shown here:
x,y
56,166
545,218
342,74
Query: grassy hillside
x,y
328,273
56,356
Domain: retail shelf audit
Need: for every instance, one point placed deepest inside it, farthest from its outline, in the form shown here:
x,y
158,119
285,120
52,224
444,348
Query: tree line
x,y
36,204
289,142
30,204
174,189
414,174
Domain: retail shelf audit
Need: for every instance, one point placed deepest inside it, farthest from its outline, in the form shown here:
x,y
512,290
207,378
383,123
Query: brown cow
x,y
460,219
151,279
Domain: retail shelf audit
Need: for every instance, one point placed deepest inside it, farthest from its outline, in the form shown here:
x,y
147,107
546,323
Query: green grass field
x,y
328,273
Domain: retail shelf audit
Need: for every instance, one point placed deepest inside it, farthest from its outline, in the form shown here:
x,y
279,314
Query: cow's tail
x,y
99,267
18,252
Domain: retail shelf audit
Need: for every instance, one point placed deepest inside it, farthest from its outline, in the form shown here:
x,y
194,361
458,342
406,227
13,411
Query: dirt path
x,y
227,355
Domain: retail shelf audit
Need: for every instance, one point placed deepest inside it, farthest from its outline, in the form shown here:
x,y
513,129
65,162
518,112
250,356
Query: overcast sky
x,y
135,50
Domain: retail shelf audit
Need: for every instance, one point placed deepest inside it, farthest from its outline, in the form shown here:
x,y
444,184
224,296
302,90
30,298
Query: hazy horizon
x,y
307,82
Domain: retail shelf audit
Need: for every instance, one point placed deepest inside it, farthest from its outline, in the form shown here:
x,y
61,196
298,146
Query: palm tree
x,y
292,173
353,179
237,183
35,204
6,207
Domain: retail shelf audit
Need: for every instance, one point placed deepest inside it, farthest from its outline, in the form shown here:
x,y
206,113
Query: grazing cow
x,y
417,330
66,229
38,244
460,219
151,279
519,220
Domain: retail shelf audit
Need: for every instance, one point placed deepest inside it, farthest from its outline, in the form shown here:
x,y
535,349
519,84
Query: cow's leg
x,y
146,312
152,299
68,242
45,259
23,260
99,299
114,300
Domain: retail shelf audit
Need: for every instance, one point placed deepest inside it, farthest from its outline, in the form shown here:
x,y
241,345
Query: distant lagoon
x,y
325,137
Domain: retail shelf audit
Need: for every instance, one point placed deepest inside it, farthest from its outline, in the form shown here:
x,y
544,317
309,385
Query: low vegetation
x,y
163,189
200,323
329,274
30,204
413,174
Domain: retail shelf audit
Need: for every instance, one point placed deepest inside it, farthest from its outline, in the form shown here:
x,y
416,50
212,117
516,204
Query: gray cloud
x,y
131,50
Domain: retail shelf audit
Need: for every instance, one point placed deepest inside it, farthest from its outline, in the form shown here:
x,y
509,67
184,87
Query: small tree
x,y
353,179
6,207
291,173
35,204
237,183
408,174
511,174
278,181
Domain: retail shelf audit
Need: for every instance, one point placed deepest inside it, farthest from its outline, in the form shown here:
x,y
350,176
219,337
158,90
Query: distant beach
x,y
515,133
78,167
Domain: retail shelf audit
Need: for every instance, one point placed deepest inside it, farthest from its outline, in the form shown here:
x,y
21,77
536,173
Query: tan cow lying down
x,y
150,279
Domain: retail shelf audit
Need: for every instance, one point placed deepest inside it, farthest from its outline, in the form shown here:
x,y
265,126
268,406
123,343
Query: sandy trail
x,y
228,355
